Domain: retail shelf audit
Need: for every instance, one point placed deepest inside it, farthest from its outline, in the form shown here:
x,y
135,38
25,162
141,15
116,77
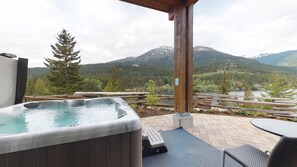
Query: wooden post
x,y
182,15
181,11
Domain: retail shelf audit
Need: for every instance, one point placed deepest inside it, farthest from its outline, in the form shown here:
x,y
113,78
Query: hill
x,y
162,57
287,59
160,61
157,64
205,59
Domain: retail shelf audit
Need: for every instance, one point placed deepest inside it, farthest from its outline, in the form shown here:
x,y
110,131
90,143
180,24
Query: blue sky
x,y
107,30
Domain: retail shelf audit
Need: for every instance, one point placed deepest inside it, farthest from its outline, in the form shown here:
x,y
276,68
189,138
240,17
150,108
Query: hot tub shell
x,y
114,143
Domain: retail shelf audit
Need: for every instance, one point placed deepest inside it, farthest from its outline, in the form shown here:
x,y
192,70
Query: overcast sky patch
x,y
107,30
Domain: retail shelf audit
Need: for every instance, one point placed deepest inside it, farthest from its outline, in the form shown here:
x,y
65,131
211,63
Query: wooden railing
x,y
273,106
276,106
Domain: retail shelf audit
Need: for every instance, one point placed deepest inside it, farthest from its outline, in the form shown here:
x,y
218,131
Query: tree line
x,y
65,75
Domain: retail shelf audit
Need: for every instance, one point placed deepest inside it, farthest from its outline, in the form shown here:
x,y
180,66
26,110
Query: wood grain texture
x,y
11,160
121,150
126,150
97,152
178,46
189,57
41,157
35,158
161,5
183,58
79,154
190,2
152,4
136,148
29,158
114,151
58,155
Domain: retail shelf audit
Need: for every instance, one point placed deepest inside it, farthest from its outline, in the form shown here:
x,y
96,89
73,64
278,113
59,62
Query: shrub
x,y
151,99
242,112
134,106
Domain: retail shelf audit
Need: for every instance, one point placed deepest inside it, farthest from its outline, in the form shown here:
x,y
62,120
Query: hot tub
x,y
73,133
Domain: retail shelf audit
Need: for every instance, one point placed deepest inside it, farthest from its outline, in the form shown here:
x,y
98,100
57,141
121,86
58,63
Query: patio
x,y
219,131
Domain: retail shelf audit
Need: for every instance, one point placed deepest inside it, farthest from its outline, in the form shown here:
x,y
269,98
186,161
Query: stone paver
x,y
219,131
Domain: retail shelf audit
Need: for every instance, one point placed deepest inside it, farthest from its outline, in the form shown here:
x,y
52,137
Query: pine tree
x,y
113,83
64,67
224,86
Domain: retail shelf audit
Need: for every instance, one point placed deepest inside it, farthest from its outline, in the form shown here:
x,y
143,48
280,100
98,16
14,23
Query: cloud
x,y
105,30
248,27
108,30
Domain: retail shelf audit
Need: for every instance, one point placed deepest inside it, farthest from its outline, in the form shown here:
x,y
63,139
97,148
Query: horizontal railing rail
x,y
273,106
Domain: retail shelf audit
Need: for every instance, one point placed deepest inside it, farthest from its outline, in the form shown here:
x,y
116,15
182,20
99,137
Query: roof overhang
x,y
160,5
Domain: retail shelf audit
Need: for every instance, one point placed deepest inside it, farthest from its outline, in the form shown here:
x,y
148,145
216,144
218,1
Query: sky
x,y
107,30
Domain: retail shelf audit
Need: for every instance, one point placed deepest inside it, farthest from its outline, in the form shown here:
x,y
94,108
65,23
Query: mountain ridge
x,y
161,60
286,58
164,57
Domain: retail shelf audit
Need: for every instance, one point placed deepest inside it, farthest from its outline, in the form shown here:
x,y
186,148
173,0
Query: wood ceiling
x,y
161,5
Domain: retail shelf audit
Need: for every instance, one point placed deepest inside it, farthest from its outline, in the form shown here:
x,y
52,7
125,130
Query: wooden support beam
x,y
190,2
189,58
171,14
183,58
152,4
171,11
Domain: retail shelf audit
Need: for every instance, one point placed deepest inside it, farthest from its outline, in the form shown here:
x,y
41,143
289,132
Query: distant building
x,y
258,86
135,65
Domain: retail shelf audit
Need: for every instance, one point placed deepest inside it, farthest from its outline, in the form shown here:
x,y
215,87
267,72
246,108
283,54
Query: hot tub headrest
x,y
8,55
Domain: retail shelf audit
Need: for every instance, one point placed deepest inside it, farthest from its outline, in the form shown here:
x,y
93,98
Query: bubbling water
x,y
51,116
